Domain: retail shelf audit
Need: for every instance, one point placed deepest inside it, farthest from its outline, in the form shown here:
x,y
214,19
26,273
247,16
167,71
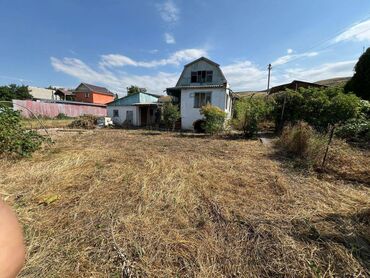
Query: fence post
x,y
327,147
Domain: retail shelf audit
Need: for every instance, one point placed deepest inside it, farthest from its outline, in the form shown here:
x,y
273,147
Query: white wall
x,y
122,114
189,114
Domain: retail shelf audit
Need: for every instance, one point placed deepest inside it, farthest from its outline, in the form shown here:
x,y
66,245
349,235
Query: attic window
x,y
201,76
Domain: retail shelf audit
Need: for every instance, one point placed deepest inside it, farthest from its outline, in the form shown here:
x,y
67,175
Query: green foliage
x,y
171,114
249,112
360,82
317,106
14,139
7,93
135,89
303,142
62,116
357,129
214,119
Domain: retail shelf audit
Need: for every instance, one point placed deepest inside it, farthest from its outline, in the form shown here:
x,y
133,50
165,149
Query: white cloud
x,y
324,71
170,39
117,82
168,11
245,75
290,56
185,55
357,32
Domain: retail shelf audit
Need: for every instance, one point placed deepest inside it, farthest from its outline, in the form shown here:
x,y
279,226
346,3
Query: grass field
x,y
149,204
46,123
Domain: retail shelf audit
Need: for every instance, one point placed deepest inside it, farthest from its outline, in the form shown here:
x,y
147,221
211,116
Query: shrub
x,y
355,129
171,114
85,121
62,116
319,107
250,112
214,122
303,142
14,139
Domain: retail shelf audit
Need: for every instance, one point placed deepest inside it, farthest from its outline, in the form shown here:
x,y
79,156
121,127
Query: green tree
x,y
171,114
7,93
359,84
214,119
135,89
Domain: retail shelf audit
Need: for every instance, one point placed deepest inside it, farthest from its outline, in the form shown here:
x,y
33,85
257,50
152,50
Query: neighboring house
x,y
134,110
201,82
93,94
64,94
294,85
40,93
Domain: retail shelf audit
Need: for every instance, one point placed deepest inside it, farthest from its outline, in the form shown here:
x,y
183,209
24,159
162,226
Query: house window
x,y
201,99
86,95
115,113
201,76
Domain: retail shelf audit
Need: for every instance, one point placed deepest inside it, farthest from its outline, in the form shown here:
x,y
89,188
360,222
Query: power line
x,y
323,42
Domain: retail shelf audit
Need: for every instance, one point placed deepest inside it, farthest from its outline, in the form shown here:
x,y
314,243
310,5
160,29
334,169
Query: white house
x,y
201,82
137,109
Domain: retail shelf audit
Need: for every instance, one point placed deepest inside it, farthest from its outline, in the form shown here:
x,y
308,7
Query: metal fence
x,y
53,109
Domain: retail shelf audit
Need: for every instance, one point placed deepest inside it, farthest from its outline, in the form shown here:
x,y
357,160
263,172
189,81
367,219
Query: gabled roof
x,y
97,89
204,59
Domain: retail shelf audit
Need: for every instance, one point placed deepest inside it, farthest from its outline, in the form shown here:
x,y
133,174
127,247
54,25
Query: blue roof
x,y
138,98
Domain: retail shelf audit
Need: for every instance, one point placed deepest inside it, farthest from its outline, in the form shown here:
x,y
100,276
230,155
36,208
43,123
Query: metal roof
x,y
204,59
96,89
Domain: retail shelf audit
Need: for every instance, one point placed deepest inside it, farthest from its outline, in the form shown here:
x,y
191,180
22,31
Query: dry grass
x,y
47,123
112,203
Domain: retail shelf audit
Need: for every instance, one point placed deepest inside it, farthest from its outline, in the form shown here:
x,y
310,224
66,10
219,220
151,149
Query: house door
x,y
143,116
129,117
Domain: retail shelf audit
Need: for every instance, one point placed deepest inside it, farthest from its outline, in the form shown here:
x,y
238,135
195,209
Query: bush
x,y
250,112
319,107
171,114
355,129
14,139
214,119
85,121
62,116
303,142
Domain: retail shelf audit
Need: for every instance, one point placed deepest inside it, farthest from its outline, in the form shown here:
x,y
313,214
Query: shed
x,y
137,109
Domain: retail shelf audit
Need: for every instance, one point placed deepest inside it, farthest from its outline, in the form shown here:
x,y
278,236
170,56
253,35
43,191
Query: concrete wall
x,y
122,114
189,114
93,97
52,110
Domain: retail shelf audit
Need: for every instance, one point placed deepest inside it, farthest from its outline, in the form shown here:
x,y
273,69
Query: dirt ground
x,y
115,203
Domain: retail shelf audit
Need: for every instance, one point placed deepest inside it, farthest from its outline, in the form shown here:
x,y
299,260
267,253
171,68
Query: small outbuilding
x,y
139,109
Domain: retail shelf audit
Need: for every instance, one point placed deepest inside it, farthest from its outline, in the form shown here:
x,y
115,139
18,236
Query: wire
x,y
322,42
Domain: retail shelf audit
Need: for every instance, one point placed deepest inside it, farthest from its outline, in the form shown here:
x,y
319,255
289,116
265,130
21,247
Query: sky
x,y
118,43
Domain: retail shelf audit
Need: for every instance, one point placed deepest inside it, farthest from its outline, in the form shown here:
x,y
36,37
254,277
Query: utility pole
x,y
268,79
